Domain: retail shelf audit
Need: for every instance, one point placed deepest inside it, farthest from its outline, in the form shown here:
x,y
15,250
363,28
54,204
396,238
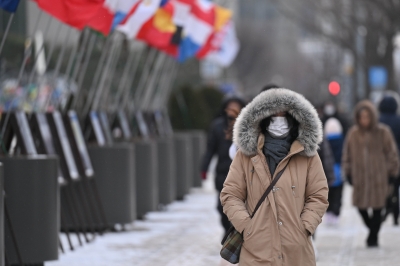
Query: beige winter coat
x,y
370,157
279,233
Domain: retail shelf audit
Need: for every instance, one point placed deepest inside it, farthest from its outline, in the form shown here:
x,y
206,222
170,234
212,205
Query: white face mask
x,y
279,126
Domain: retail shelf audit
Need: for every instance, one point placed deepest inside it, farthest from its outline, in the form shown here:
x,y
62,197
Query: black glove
x,y
392,180
350,179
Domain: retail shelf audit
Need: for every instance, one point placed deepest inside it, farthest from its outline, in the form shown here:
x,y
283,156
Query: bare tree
x,y
366,28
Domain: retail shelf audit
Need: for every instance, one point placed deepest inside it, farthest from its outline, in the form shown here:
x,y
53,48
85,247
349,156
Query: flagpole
x,y
169,84
111,72
25,60
152,83
78,62
96,77
81,77
58,63
127,93
49,56
144,75
129,90
100,88
53,45
62,53
125,75
3,40
162,81
21,72
38,53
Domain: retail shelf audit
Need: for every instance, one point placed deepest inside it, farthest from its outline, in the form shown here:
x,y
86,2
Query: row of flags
x,y
181,28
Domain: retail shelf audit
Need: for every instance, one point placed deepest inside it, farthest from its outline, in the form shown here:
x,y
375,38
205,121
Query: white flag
x,y
140,13
229,48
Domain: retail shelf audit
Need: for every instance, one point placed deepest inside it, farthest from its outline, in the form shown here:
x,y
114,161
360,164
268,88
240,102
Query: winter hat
x,y
333,126
388,105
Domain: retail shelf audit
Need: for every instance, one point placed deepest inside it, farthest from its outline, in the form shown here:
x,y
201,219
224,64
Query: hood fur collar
x,y
247,126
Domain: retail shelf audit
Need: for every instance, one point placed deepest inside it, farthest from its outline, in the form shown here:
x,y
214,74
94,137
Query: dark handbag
x,y
233,240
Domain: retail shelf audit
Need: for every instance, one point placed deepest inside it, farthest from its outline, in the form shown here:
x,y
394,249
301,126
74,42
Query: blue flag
x,y
9,5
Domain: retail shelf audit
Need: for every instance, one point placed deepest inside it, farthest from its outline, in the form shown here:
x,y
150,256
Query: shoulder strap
x,y
270,187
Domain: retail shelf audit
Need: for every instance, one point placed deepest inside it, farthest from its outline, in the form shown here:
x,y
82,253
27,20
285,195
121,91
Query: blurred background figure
x,y
370,157
330,110
218,143
388,109
334,135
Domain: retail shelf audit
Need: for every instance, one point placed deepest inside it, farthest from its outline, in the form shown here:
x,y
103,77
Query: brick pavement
x,y
188,233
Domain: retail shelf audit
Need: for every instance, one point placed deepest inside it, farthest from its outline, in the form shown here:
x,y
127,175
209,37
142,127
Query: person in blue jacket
x,y
388,108
334,134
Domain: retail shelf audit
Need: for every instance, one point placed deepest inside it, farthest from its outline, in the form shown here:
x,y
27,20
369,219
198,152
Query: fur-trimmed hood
x,y
247,127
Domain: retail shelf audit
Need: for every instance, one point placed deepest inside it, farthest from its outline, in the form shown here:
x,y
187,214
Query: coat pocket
x,y
247,233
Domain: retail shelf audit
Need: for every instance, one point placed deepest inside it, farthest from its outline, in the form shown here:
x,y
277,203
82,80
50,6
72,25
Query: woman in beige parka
x,y
278,127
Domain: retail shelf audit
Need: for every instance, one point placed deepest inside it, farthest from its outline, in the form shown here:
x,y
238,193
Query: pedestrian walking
x,y
329,110
370,158
388,109
334,135
278,135
218,143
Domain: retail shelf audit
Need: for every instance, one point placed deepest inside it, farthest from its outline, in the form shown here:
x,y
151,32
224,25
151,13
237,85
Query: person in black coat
x,y
218,143
388,108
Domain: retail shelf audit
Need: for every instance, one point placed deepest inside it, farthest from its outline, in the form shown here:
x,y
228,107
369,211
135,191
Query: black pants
x,y
219,182
395,201
373,223
335,199
392,205
224,219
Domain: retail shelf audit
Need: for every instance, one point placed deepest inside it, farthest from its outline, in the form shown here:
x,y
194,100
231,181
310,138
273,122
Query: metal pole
x,y
103,79
144,76
53,45
78,64
125,75
116,52
169,85
21,72
25,60
73,56
38,53
96,77
3,40
51,51
62,53
83,71
152,83
58,66
127,95
168,65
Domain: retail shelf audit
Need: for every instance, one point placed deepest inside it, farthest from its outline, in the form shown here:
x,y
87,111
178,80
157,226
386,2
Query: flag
x,y
102,21
139,14
222,18
160,30
76,13
9,5
228,47
111,15
122,9
197,29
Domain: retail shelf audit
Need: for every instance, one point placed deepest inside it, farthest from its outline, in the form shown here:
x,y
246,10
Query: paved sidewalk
x,y
188,234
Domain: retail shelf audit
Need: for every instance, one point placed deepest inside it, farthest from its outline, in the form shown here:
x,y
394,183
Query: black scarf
x,y
275,149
